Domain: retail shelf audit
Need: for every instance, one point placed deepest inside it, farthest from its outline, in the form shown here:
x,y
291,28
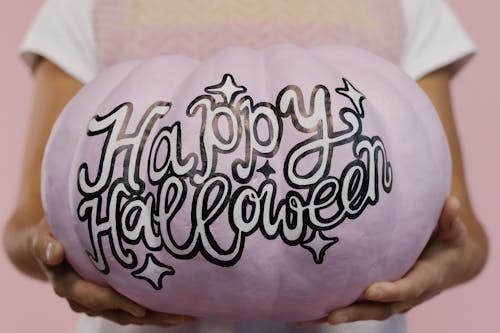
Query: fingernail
x,y
339,318
137,312
179,320
187,319
375,293
48,251
455,202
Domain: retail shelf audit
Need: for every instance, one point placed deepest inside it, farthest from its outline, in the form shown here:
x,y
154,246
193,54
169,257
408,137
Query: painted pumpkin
x,y
259,184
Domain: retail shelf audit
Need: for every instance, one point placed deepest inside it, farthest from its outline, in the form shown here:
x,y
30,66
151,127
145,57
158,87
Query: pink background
x,y
27,305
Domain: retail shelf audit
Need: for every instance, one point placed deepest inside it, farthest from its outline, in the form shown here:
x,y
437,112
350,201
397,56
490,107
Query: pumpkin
x,y
272,184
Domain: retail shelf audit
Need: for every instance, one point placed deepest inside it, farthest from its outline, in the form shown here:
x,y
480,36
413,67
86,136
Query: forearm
x,y
475,254
53,89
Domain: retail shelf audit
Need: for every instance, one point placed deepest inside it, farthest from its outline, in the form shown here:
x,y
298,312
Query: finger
x,y
423,277
361,311
69,285
78,308
47,249
448,217
457,232
120,317
124,318
151,318
316,321
167,319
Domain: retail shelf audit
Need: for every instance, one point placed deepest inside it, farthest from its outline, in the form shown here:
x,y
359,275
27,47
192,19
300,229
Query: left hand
x,y
440,266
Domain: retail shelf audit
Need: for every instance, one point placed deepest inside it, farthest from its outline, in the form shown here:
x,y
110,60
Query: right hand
x,y
86,297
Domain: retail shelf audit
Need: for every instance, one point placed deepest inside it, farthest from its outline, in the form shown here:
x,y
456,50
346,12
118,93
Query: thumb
x,y
450,225
48,250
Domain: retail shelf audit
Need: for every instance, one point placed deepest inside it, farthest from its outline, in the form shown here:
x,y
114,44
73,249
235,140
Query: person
x,y
70,42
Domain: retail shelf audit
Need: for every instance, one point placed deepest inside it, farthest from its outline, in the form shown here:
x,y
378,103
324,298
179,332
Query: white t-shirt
x,y
63,33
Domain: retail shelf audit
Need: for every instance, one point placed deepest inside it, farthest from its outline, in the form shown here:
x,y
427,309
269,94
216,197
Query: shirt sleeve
x,y
62,32
435,38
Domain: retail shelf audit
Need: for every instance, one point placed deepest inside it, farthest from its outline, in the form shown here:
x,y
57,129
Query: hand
x,y
439,267
87,297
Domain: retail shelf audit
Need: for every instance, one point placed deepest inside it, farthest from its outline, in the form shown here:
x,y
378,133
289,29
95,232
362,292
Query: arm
x,y
27,237
457,251
53,89
436,85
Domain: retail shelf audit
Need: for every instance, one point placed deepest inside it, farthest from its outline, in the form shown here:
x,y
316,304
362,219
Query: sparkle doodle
x,y
142,204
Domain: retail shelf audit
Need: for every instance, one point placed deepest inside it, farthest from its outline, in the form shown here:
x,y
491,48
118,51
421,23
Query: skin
x,y
456,252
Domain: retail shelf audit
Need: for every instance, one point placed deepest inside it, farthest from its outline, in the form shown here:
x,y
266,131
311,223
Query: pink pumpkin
x,y
259,184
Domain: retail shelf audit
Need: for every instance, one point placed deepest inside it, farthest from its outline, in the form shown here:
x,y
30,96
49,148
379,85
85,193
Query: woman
x,y
70,42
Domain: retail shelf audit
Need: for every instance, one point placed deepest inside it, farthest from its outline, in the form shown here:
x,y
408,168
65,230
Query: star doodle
x,y
318,245
267,170
153,272
228,89
354,95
